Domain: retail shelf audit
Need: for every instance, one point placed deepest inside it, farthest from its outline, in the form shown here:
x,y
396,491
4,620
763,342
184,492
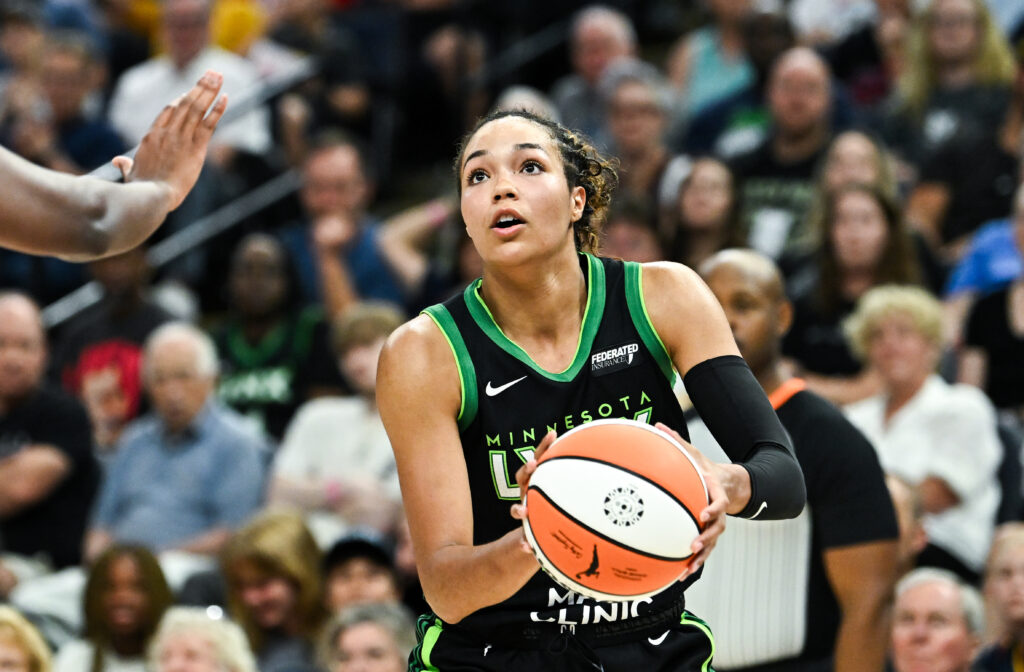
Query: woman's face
x,y
515,200
125,603
853,160
631,240
1004,585
270,600
859,232
359,581
367,647
359,366
899,352
953,31
187,651
13,657
258,282
707,196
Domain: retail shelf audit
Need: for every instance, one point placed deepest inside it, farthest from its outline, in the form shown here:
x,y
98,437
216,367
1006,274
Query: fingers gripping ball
x,y
612,509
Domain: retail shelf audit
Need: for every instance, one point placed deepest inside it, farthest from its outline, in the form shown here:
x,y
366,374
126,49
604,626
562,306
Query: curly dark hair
x,y
584,166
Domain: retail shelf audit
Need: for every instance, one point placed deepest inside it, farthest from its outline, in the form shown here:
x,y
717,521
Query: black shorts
x,y
687,646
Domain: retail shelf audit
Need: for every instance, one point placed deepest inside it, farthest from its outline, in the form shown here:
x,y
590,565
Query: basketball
x,y
612,509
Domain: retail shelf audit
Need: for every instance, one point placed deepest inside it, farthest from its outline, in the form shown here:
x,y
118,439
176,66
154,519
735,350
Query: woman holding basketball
x,y
474,390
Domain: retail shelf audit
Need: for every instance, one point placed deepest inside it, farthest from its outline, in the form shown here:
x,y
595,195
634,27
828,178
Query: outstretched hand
x,y
174,149
712,518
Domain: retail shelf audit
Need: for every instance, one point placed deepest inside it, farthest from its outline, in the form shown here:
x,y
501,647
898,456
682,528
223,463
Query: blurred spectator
x,y
910,515
940,438
710,63
68,138
738,122
958,73
1004,600
189,472
627,233
274,353
994,340
99,355
48,476
335,462
969,178
126,595
340,96
870,59
360,569
830,607
599,36
272,570
22,41
937,623
864,244
22,648
369,638
776,179
705,217
638,107
337,248
189,640
140,93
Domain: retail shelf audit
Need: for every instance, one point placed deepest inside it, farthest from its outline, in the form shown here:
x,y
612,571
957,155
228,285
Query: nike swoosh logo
x,y
495,391
764,505
659,640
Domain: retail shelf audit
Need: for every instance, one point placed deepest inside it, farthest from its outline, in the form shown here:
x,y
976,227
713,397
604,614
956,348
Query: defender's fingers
x,y
203,95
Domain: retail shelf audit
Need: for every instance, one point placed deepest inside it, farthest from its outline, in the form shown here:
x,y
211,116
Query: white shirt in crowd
x,y
337,438
949,432
142,92
76,656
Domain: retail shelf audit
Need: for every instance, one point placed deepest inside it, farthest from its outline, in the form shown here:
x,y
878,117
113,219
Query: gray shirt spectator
x,y
165,488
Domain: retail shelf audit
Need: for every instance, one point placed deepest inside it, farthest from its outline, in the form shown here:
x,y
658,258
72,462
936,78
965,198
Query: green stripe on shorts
x,y
428,629
691,620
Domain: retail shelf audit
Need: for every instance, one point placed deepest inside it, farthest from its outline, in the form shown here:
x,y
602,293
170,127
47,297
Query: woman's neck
x,y
854,283
255,329
642,167
128,646
702,243
540,306
955,75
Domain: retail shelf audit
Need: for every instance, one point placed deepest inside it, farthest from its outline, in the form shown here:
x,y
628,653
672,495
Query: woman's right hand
x,y
523,480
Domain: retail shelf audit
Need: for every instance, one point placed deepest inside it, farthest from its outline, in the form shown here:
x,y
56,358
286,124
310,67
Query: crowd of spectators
x,y
193,472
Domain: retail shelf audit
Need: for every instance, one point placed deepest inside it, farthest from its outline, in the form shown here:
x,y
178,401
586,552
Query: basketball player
x,y
474,390
829,573
82,217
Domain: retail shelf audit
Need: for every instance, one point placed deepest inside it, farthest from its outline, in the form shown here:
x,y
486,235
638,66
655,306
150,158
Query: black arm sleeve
x,y
735,409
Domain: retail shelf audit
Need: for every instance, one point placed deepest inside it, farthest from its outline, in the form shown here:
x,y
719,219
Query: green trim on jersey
x,y
428,629
591,321
467,373
642,320
691,620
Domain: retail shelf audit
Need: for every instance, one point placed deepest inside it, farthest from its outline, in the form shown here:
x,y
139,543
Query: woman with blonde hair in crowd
x,y
958,75
272,570
939,438
22,648
1004,601
190,640
126,595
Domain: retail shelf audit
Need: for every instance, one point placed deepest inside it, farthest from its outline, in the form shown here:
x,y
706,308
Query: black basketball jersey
x,y
621,370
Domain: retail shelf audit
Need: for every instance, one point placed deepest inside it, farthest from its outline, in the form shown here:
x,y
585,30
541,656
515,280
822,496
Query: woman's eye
x,y
531,167
476,177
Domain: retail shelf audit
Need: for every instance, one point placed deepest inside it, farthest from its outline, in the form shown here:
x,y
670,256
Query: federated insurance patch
x,y
614,359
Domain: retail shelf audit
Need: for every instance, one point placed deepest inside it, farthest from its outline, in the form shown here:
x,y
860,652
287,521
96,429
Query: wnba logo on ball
x,y
614,359
624,506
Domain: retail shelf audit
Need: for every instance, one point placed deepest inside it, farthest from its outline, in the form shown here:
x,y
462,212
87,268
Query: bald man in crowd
x,y
826,576
48,476
776,179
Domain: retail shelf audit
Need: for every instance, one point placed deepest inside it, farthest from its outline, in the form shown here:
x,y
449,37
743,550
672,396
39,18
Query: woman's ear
x,y
577,202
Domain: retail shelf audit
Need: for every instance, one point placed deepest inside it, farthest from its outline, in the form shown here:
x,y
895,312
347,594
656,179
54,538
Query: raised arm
x,y
81,218
766,481
419,396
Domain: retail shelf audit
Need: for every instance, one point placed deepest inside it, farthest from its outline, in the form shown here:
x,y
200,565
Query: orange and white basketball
x,y
612,509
